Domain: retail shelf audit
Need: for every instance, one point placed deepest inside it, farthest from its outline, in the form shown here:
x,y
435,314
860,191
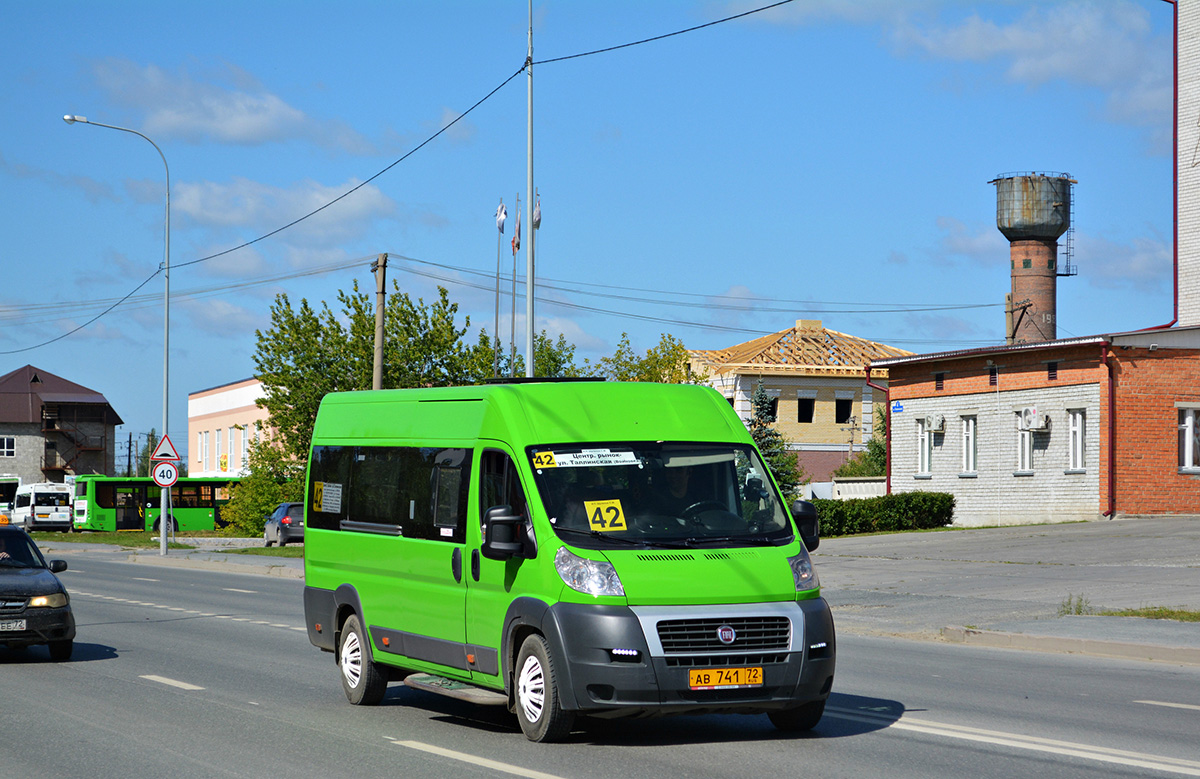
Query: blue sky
x,y
823,160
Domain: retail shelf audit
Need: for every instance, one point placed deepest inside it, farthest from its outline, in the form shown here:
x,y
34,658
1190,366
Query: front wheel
x,y
538,707
362,681
800,718
174,524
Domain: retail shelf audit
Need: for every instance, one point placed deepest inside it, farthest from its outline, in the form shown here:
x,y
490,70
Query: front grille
x,y
11,606
699,636
724,661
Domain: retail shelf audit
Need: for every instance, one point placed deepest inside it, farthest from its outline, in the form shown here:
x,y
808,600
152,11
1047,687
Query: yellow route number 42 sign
x,y
605,516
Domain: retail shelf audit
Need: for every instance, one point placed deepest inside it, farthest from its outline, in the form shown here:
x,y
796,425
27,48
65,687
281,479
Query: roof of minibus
x,y
532,413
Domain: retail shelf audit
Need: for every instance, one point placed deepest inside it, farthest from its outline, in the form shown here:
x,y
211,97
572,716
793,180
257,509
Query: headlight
x,y
802,571
55,601
594,578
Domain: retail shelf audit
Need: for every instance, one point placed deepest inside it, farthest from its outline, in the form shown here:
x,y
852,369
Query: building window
x,y
939,381
969,446
843,409
805,408
1024,451
924,447
199,447
1189,439
993,376
8,446
204,452
1052,371
1075,438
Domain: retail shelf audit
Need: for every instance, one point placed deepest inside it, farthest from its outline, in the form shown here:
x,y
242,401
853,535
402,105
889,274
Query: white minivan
x,y
42,506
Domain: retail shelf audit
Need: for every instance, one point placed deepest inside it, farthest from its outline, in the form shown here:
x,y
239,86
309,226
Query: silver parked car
x,y
285,524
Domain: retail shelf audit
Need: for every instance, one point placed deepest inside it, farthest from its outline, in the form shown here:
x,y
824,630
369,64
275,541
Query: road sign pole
x,y
165,452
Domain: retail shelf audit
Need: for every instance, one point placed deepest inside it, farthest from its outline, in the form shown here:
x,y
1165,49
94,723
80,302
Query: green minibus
x,y
135,503
562,548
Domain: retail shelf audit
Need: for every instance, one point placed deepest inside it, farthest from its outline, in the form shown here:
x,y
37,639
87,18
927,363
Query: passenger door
x,y
494,584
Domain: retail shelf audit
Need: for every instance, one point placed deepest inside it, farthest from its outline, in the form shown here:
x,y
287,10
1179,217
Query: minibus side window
x,y
499,484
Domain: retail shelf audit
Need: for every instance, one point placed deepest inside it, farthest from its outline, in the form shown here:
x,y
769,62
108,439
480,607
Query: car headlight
x,y
590,576
802,571
55,601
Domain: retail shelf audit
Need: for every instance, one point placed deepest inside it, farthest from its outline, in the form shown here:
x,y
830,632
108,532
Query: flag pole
x,y
512,320
501,214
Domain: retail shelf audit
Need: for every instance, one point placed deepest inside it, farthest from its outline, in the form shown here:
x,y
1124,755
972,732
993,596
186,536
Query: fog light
x,y
626,655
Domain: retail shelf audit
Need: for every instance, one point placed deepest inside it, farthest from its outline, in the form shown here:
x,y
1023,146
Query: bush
x,y
899,511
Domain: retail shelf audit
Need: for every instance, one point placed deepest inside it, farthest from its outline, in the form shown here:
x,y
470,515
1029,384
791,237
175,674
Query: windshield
x,y
18,551
659,494
52,499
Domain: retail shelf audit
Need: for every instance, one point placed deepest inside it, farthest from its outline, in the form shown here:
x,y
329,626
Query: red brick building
x,y
1056,431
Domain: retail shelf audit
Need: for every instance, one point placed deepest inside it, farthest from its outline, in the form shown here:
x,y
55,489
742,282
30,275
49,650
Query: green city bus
x,y
134,503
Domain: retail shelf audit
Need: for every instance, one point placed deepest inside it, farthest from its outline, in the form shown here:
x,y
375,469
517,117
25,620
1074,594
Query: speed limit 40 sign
x,y
165,473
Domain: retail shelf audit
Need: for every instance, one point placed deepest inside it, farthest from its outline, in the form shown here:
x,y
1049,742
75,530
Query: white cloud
x,y
220,317
249,205
1144,265
227,105
981,245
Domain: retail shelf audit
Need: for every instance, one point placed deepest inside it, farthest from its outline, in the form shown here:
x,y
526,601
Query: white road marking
x,y
1172,705
171,682
81,593
1019,741
233,589
473,760
142,579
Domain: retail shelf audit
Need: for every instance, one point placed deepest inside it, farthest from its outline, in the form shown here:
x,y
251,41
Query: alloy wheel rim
x,y
352,660
531,689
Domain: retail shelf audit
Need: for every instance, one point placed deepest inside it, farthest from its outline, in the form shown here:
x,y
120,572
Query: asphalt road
x,y
200,673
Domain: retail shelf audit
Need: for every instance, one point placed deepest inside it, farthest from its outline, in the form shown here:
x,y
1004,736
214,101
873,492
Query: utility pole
x,y
379,268
529,201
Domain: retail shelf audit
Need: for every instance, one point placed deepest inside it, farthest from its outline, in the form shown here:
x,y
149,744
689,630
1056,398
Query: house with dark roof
x,y
52,428
825,406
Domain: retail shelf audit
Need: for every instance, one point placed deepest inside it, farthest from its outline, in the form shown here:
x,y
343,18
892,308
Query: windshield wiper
x,y
629,541
751,540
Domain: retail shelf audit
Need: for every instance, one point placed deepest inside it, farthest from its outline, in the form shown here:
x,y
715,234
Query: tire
x,y
282,539
61,650
799,719
267,539
539,709
362,680
174,524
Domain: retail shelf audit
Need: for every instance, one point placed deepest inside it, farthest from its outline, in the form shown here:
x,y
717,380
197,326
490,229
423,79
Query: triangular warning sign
x,y
164,450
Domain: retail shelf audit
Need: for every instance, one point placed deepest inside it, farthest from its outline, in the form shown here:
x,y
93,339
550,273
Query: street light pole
x,y
165,508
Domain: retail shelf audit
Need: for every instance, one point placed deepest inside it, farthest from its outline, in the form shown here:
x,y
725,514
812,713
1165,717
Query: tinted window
x,y
415,492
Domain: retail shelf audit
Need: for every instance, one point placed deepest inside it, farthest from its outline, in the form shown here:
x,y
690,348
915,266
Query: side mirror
x,y
754,489
805,515
501,534
58,566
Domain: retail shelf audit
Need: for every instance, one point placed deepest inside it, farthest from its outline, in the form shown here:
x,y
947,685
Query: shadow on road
x,y
40,654
845,715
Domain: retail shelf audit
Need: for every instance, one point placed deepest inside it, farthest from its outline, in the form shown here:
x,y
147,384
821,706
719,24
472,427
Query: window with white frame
x,y
245,447
229,450
970,446
1024,449
8,446
1076,430
1189,439
204,452
924,447
200,448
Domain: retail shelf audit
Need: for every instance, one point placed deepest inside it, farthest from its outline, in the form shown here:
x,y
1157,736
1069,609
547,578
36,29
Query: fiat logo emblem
x,y
726,634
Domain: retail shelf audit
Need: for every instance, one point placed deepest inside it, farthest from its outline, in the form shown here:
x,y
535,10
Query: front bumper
x,y
41,627
602,682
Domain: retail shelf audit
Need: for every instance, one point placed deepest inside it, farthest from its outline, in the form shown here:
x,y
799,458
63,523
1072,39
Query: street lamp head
x,y
72,119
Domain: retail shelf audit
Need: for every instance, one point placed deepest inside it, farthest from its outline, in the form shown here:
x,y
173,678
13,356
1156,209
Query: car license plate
x,y
724,678
12,624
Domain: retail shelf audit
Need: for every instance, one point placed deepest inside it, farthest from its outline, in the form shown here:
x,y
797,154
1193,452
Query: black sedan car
x,y
285,524
34,605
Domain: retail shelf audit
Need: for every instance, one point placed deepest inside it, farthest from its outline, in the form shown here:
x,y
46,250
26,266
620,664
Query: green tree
x,y
273,478
873,460
306,354
552,359
788,473
666,363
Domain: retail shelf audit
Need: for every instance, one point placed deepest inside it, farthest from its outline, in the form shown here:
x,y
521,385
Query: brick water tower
x,y
1032,211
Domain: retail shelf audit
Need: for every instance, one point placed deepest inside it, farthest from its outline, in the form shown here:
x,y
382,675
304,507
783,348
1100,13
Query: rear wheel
x,y
800,718
267,538
61,650
363,682
174,525
538,708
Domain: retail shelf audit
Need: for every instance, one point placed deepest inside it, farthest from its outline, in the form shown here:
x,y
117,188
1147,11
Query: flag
x,y
501,215
516,241
537,214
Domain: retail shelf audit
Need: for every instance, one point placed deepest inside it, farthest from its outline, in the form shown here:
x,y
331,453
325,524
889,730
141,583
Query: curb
x,y
1076,646
253,569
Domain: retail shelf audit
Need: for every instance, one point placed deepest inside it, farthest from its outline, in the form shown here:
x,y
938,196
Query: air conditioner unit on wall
x,y
935,423
1028,418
